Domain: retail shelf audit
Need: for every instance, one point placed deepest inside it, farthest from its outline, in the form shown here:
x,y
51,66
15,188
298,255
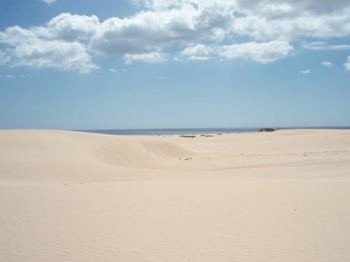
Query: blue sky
x,y
186,63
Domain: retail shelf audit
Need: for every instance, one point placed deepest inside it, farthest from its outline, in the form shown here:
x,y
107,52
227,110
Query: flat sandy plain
x,y
71,196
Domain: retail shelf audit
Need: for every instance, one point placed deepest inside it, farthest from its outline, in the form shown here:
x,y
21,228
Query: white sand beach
x,y
73,196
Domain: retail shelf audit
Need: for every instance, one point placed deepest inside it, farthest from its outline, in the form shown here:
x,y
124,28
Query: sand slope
x,y
71,196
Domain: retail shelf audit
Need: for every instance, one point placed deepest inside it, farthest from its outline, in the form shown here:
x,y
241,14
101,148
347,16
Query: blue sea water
x,y
173,131
189,131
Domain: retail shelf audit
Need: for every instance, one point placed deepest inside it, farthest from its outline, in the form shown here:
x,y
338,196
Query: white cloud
x,y
207,29
263,53
26,49
259,52
198,52
264,20
253,6
327,64
326,46
305,71
153,29
223,5
292,27
54,54
347,64
150,58
70,27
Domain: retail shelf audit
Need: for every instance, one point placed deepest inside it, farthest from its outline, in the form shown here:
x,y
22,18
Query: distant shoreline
x,y
192,131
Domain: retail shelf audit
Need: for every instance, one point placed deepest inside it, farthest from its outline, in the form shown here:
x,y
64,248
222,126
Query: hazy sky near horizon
x,y
87,64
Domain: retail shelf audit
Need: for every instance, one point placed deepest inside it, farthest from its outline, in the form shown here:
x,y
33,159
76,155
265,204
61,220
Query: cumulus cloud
x,y
262,31
26,49
305,71
292,28
150,58
267,19
54,54
153,29
70,27
254,6
264,53
347,64
259,52
327,64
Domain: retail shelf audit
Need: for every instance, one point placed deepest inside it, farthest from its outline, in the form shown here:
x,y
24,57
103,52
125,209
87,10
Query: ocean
x,y
189,131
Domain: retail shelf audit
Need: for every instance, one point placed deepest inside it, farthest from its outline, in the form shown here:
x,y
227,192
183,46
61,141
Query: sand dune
x,y
72,196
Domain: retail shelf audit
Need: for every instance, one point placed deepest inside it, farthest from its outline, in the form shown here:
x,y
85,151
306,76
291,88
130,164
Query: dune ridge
x,y
73,196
